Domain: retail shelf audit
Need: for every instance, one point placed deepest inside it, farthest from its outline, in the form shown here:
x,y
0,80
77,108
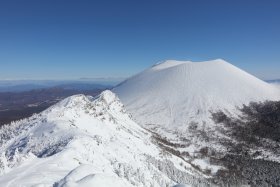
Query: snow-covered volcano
x,y
203,110
173,94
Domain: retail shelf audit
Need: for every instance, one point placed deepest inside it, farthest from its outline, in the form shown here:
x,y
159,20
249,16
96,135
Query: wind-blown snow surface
x,y
174,93
85,141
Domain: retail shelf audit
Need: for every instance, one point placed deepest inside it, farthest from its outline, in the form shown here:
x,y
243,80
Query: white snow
x,y
277,85
84,176
84,141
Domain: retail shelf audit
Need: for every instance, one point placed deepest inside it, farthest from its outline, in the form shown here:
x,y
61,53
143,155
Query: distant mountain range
x,y
24,85
274,81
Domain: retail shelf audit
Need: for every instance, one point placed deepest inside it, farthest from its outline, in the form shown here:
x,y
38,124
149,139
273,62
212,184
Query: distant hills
x,y
274,81
27,85
17,102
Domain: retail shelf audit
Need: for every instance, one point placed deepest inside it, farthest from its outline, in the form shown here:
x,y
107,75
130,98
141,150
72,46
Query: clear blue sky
x,y
69,39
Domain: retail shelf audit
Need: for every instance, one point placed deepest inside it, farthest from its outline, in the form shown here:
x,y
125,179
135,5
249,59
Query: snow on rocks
x,y
84,141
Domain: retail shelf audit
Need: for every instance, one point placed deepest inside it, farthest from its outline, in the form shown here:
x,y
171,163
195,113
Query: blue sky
x,y
70,39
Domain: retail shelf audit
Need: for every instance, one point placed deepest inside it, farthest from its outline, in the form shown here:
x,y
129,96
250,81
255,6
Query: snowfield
x,y
277,85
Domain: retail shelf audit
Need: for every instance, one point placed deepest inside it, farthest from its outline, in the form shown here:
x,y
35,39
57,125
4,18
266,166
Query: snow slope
x,y
85,141
174,94
276,84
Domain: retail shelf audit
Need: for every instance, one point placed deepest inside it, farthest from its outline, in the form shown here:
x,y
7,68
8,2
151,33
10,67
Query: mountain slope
x,y
85,141
174,93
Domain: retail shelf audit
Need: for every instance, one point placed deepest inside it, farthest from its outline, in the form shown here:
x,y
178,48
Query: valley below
x,y
18,105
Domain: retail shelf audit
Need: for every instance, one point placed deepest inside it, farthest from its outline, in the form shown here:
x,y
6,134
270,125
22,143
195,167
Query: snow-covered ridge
x,y
86,141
